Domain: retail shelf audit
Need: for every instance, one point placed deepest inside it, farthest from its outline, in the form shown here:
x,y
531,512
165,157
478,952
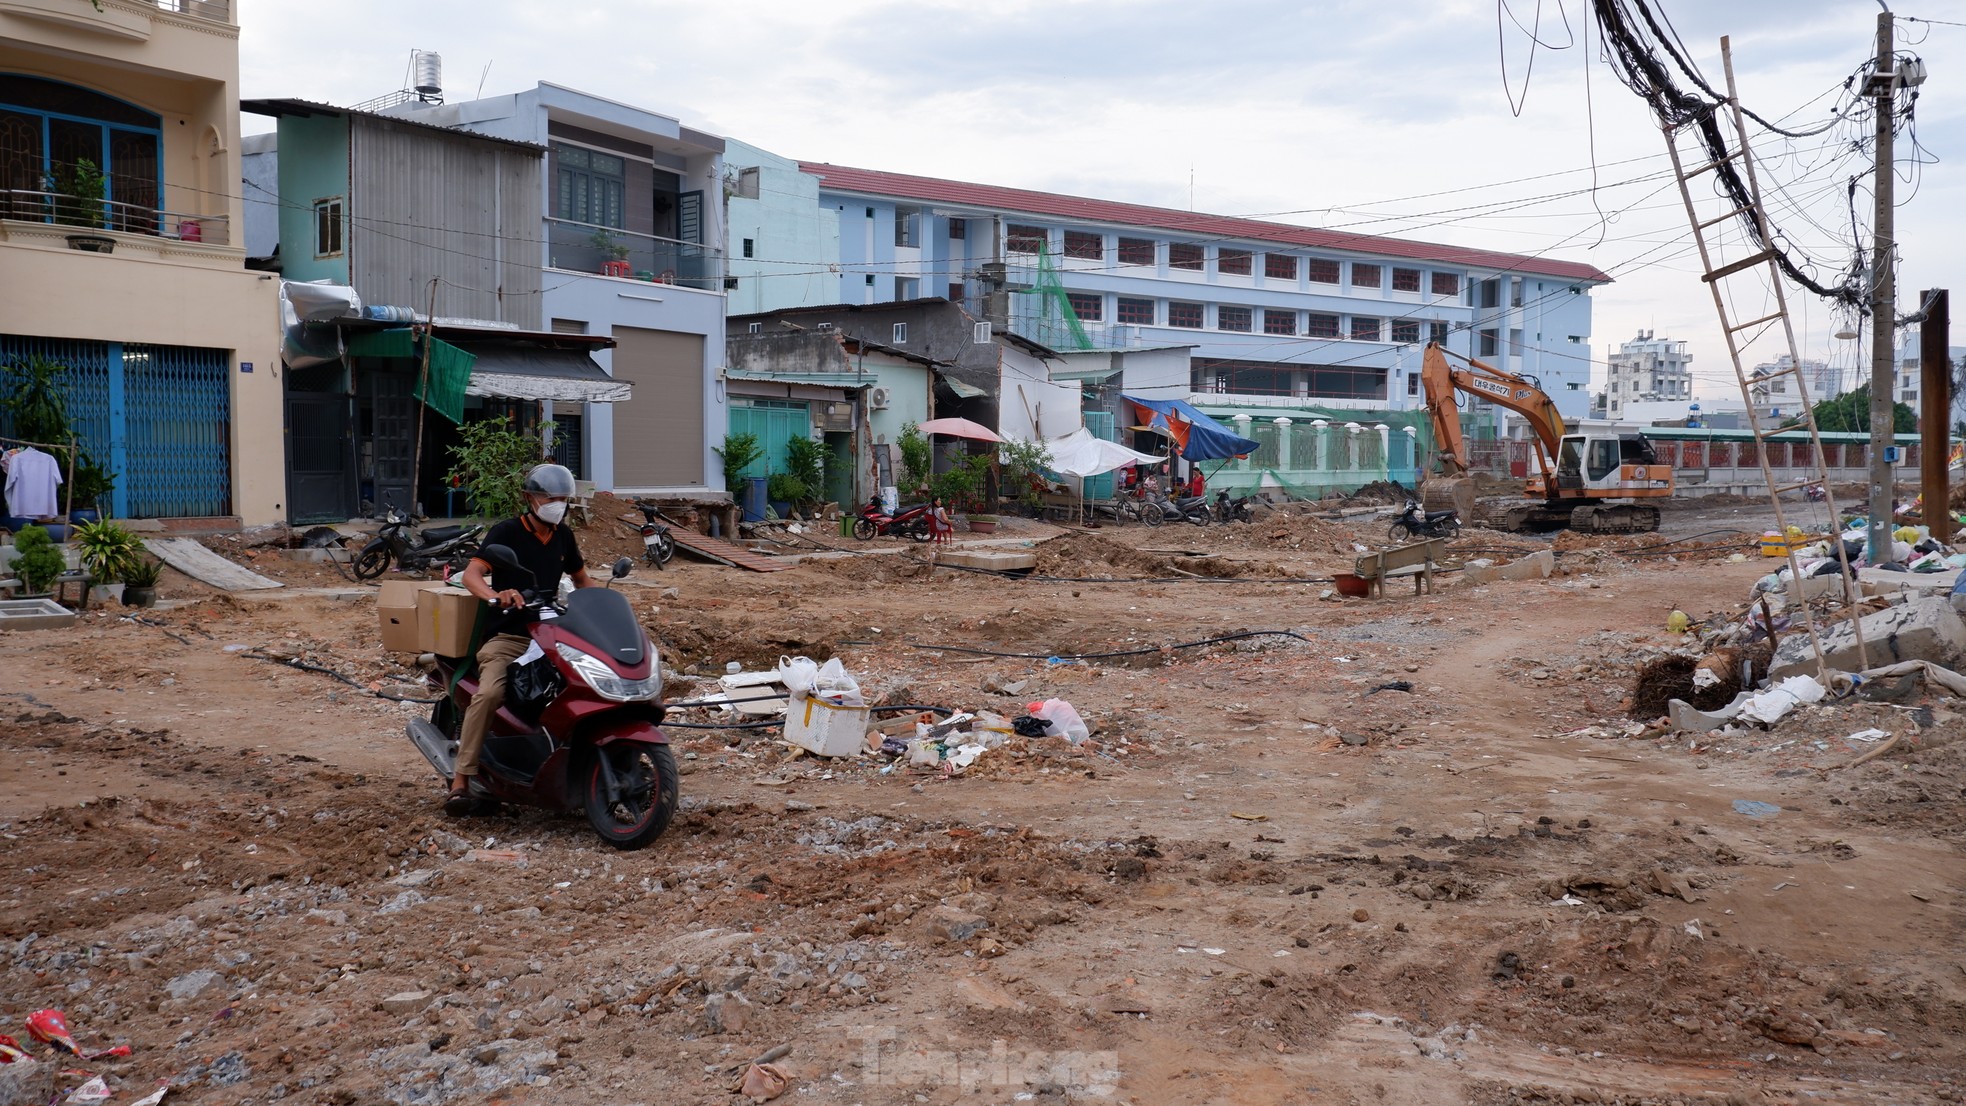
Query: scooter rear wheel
x,y
647,774
371,564
1400,532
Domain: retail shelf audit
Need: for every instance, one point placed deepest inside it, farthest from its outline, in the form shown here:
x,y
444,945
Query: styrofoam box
x,y
820,727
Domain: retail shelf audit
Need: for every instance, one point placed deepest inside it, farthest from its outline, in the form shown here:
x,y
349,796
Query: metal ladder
x,y
1762,266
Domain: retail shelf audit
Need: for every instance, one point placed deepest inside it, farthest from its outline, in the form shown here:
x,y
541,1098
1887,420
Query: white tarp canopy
x,y
1081,454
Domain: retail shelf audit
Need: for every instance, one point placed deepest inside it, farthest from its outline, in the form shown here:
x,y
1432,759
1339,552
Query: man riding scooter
x,y
545,547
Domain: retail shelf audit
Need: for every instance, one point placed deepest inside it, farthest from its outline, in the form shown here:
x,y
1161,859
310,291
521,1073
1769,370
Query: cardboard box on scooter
x,y
445,618
395,611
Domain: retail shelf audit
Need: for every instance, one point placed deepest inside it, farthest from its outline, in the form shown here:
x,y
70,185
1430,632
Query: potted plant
x,y
982,524
783,490
77,192
140,583
39,560
93,486
613,248
109,552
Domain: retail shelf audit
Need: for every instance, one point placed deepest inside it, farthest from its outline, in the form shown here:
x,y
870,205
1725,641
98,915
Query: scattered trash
x,y
1391,685
763,1082
1869,735
95,1090
1755,809
1247,817
50,1027
1677,622
10,1050
1773,705
1061,719
154,1097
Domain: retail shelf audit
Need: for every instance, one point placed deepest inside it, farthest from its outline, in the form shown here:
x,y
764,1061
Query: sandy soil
x,y
1261,882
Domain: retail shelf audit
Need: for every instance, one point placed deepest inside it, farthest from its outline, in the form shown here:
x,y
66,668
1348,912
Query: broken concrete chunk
x,y
404,1003
1540,565
1921,629
726,1012
946,923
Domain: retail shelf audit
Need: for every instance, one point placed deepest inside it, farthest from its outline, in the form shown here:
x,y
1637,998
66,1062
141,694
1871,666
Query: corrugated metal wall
x,y
468,211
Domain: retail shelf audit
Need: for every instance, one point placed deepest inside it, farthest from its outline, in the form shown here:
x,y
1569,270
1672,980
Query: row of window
x,y
1234,261
1140,311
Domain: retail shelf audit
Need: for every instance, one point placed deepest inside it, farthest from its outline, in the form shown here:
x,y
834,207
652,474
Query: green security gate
x,y
773,421
159,417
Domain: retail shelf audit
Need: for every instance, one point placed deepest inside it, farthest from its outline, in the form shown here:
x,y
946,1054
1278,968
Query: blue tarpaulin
x,y
1199,437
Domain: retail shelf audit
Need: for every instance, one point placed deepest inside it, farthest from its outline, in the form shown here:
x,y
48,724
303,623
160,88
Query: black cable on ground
x,y
304,666
1104,656
1015,574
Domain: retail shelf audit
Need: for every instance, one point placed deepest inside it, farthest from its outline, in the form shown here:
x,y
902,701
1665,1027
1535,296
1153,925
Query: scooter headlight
x,y
604,681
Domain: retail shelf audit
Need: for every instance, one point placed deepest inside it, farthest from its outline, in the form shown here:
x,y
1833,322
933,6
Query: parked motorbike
x,y
1233,510
579,726
911,521
1188,508
657,546
413,549
1416,523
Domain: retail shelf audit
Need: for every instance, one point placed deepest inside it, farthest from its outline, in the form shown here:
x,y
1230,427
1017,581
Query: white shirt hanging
x,y
32,478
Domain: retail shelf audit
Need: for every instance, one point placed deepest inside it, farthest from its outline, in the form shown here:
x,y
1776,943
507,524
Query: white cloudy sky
x,y
1382,117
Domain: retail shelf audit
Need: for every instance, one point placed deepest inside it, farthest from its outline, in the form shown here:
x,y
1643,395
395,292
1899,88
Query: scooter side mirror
x,y
501,556
623,567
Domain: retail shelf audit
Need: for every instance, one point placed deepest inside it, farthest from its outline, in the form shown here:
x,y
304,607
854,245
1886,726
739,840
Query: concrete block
x,y
1540,565
1877,581
34,614
991,559
1921,629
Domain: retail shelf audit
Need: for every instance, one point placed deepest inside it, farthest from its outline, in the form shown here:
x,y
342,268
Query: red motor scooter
x,y
912,521
578,728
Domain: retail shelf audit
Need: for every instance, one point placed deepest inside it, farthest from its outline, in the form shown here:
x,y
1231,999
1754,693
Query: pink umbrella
x,y
959,428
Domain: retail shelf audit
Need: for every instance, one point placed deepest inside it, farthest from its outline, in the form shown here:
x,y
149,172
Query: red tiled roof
x,y
992,197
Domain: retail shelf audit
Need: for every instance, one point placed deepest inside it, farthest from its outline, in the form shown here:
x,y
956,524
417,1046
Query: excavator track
x,y
1537,516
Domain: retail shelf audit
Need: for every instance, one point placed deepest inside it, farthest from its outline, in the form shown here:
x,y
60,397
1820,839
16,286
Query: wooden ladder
x,y
1760,266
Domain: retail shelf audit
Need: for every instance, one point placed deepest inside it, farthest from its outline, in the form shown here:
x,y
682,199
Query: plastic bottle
x,y
1061,720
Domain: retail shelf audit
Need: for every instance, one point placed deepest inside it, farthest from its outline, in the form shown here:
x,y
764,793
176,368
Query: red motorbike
x,y
912,521
579,726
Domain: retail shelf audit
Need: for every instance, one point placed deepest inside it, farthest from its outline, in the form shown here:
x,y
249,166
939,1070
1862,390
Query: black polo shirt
x,y
547,560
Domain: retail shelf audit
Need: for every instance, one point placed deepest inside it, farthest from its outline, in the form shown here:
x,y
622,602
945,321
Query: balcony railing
x,y
87,216
586,248
218,11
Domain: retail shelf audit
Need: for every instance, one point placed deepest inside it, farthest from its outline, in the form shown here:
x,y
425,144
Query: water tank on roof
x,y
427,75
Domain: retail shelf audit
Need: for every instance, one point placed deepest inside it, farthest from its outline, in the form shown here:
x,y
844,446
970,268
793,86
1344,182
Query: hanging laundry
x,y
32,477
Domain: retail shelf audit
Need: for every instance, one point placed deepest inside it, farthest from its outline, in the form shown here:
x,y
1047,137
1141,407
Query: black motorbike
x,y
1188,508
1416,523
413,550
1229,510
657,546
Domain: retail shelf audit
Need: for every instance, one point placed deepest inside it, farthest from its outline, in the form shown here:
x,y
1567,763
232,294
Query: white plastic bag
x,y
835,685
1061,720
800,674
1773,705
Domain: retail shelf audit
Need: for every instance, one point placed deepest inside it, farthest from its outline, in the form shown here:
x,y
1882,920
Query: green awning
x,y
450,367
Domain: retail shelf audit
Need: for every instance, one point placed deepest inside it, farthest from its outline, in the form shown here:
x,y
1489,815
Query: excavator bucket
x,y
1451,493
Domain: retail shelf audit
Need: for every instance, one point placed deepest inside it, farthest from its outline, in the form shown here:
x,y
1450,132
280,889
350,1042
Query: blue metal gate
x,y
159,417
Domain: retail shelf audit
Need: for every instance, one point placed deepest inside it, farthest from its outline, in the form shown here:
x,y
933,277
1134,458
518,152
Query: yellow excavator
x,y
1585,481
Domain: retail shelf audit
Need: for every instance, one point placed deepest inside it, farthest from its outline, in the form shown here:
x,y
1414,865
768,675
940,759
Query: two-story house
x,y
138,285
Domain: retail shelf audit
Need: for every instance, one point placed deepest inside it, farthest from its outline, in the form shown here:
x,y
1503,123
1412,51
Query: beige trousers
x,y
494,657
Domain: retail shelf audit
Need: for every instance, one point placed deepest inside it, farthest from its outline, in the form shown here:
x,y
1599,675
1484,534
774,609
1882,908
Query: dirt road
x,y
1262,882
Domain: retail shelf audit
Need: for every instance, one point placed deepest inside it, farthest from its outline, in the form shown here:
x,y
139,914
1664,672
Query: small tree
x,y
739,452
1022,463
961,488
805,461
78,194
491,463
36,401
1850,412
917,457
39,561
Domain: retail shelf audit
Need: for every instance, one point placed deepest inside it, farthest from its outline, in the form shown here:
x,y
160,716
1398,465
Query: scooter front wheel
x,y
647,785
1400,532
372,563
864,529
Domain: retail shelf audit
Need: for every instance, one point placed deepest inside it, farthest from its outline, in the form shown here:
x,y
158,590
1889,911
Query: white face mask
x,y
550,513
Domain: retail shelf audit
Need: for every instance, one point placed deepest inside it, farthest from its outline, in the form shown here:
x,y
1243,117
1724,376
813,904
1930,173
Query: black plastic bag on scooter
x,y
532,685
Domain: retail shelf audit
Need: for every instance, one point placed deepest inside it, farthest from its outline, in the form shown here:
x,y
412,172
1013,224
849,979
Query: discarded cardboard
x,y
1923,629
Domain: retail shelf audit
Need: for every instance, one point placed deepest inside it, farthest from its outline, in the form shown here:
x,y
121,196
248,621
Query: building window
x,y
1136,311
747,247
1085,245
1486,345
1239,319
1022,239
1323,270
1233,262
1515,291
1136,251
1491,292
1367,276
327,228
1437,332
955,293
1413,384
1406,280
592,185
1406,330
959,228
1365,328
1322,326
1184,255
900,334
1090,307
870,280
48,128
1279,266
1279,322
750,328
1185,315
1447,284
907,288
907,227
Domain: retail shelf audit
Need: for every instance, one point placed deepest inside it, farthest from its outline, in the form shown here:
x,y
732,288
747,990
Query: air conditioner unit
x,y
825,326
878,398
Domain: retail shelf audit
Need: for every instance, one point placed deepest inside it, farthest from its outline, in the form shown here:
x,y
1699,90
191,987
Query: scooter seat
x,y
441,534
1436,516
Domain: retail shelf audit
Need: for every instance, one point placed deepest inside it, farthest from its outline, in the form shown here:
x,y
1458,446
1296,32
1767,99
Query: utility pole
x,y
1935,393
1883,301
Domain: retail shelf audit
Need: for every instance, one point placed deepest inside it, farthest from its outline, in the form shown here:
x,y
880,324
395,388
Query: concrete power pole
x,y
1883,302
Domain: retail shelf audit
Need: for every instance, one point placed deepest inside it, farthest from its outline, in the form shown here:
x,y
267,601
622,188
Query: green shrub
x,y
1022,464
805,461
40,560
783,487
109,551
739,452
917,458
144,573
961,488
491,463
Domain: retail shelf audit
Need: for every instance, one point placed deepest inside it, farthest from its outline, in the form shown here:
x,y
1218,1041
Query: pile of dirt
x,y
1380,492
1651,545
1083,554
1293,531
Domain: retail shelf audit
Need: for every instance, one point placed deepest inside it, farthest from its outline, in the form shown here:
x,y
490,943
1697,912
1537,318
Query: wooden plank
x,y
724,553
199,563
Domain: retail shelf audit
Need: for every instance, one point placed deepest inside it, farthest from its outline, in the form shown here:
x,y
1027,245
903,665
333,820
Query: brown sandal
x,y
460,803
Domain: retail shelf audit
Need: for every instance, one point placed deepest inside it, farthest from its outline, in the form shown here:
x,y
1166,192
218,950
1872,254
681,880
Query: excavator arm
x,y
1506,389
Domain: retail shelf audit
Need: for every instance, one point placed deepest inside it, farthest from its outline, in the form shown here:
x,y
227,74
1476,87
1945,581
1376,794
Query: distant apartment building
x,y
1776,392
1277,315
1910,374
1648,370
